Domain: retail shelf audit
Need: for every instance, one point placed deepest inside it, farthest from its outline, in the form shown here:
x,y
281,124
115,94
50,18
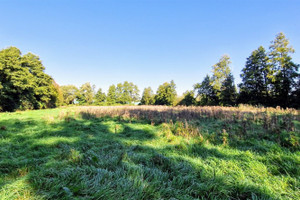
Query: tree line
x,y
269,78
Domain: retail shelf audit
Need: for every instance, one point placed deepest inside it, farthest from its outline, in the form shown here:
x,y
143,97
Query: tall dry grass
x,y
270,118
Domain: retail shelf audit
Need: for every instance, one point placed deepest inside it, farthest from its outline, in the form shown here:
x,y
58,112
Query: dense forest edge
x,y
269,78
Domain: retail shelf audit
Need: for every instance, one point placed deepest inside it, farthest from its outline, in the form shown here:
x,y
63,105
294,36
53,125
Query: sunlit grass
x,y
59,154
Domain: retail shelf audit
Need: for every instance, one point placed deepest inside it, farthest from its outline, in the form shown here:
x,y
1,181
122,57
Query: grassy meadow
x,y
150,152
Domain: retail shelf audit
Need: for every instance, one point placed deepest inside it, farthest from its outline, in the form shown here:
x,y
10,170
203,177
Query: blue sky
x,y
146,42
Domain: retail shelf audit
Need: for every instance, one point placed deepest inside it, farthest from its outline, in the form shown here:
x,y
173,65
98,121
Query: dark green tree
x,y
228,92
296,95
23,82
166,94
15,80
256,79
285,70
147,97
188,99
206,92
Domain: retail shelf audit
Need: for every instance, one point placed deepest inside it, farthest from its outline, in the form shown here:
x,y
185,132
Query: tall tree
x,y
220,72
286,71
256,79
111,95
85,94
23,82
15,80
134,93
166,94
100,97
147,97
205,92
45,91
69,93
228,92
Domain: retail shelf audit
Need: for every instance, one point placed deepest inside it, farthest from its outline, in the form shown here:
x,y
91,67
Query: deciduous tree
x,y
147,97
100,97
220,72
111,95
69,93
23,82
85,94
166,94
127,93
188,99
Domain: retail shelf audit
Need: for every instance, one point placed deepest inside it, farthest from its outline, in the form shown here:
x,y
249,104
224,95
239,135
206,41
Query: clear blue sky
x,y
147,42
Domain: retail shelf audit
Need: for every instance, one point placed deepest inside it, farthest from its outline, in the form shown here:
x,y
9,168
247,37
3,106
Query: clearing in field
x,y
146,152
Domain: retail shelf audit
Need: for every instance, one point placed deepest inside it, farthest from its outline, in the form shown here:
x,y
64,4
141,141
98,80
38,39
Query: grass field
x,y
77,153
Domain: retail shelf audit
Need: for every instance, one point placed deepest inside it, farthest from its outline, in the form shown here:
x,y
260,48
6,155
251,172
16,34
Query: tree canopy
x,y
23,82
166,94
69,93
85,94
148,97
100,97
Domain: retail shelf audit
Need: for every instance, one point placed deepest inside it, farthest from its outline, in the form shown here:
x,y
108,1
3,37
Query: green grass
x,y
45,156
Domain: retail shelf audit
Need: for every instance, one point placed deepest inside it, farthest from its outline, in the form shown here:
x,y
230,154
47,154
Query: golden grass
x,y
187,113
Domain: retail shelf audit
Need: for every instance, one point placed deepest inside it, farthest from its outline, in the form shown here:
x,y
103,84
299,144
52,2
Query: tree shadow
x,y
108,159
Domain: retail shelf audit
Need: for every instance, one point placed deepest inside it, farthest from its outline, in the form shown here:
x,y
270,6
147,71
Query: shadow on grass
x,y
109,159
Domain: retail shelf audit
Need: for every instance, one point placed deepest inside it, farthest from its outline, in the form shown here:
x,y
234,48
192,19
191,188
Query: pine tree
x,y
228,92
285,70
255,85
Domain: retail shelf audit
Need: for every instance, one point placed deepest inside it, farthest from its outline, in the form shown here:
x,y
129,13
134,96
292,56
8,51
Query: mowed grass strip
x,y
45,154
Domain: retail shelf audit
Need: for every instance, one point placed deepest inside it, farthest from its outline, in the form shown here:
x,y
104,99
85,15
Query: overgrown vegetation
x,y
150,152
